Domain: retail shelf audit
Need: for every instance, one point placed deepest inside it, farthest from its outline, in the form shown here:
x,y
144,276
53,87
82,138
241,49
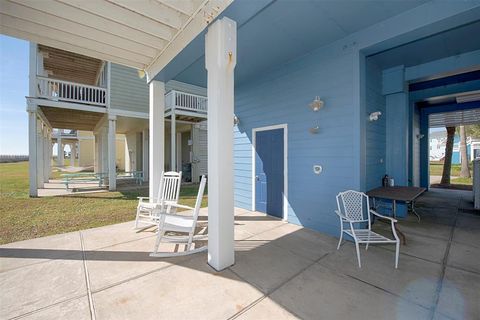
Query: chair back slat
x,y
353,205
169,186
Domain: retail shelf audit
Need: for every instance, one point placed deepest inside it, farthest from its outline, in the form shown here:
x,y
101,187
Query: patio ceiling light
x,y
317,104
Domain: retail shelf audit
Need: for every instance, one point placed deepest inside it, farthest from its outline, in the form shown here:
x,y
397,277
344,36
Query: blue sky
x,y
13,89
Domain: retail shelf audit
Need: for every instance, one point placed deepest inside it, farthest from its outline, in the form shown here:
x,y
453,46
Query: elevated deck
x,y
185,106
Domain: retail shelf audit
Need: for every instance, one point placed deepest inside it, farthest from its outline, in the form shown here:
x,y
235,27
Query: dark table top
x,y
399,193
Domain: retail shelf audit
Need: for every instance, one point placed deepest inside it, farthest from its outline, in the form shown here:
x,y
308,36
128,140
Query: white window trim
x,y
285,164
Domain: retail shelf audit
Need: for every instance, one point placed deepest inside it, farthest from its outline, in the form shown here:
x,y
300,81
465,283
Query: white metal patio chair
x,y
354,209
180,223
168,193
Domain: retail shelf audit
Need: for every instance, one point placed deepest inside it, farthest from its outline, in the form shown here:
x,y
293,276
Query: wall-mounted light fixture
x,y
317,104
420,136
374,116
236,120
314,130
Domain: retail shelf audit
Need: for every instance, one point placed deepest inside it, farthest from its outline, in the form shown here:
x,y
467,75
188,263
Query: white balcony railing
x,y
60,90
176,100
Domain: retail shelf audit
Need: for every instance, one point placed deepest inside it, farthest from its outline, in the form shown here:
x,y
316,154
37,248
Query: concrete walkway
x,y
282,271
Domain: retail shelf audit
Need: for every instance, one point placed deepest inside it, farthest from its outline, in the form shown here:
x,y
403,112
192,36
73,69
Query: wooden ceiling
x,y
71,119
69,66
144,34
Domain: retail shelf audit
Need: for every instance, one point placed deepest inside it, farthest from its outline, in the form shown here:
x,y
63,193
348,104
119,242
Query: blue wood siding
x,y
376,130
282,96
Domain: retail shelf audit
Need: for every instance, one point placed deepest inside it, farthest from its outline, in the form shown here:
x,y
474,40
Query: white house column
x,y
59,151
78,152
32,149
40,153
145,154
73,153
112,141
46,155
179,151
157,136
173,143
220,58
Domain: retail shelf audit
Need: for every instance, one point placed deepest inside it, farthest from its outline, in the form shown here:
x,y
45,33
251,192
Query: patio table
x,y
398,193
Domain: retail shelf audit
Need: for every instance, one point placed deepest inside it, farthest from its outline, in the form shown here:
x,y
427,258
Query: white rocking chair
x,y
177,223
168,193
352,206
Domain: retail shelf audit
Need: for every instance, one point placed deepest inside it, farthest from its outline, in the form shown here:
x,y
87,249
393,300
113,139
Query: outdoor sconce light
x,y
317,104
314,130
420,136
236,120
374,116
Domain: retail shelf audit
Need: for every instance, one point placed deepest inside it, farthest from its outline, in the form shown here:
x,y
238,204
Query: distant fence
x,y
12,158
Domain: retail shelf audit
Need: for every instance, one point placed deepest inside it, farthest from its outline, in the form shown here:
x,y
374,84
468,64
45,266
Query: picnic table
x,y
134,175
83,178
398,193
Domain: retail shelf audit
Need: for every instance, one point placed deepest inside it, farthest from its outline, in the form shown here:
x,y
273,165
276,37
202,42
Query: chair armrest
x,y
181,206
140,199
382,216
340,215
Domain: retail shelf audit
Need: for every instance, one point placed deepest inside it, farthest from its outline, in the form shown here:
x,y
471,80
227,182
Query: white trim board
x,y
283,126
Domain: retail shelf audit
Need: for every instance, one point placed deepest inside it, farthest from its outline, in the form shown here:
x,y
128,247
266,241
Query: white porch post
x,y
32,149
173,142
157,136
179,151
220,58
46,155
112,155
145,154
59,151
78,152
73,153
40,155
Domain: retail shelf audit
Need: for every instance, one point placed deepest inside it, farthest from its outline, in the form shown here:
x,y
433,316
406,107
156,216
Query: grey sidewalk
x,y
282,271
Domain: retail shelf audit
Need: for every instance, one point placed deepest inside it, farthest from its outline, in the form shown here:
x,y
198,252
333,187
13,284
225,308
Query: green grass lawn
x,y
436,169
22,217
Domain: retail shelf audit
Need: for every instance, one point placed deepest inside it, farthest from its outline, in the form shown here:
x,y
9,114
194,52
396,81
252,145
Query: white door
x,y
200,151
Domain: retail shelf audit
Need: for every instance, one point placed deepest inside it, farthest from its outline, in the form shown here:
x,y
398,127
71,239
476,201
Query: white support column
x,y
220,58
157,136
179,151
40,155
112,155
173,143
78,152
46,155
32,149
73,153
60,152
145,154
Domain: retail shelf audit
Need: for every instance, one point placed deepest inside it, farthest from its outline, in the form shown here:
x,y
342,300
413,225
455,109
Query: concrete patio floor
x,y
282,271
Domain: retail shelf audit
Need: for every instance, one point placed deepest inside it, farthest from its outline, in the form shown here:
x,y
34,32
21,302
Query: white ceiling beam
x,y
186,7
72,38
110,11
154,10
197,23
147,37
26,13
68,47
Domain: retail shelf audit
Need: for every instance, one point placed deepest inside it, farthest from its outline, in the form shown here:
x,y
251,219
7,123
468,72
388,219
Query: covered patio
x,y
282,271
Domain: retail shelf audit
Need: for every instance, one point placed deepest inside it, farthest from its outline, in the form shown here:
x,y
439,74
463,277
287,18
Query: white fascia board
x,y
199,20
66,105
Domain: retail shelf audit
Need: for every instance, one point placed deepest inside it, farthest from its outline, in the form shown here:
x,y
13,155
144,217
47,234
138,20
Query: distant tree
x,y
447,165
473,130
465,171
